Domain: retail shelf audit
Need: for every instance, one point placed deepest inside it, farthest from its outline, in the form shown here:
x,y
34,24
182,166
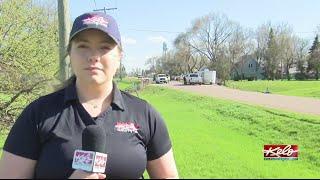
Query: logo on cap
x,y
97,20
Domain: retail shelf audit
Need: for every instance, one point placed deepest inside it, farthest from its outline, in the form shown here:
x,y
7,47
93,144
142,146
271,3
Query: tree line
x,y
218,43
28,54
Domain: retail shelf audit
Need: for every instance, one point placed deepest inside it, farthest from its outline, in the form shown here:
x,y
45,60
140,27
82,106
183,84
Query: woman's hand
x,y
78,174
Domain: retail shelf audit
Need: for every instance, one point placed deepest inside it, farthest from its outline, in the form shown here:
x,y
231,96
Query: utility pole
x,y
64,29
104,9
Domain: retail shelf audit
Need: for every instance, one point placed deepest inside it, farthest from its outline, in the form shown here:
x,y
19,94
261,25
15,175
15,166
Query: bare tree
x,y
209,36
286,43
239,45
261,41
301,57
185,52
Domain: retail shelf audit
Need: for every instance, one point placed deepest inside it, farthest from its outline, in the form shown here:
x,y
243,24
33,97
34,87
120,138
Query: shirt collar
x,y
70,94
117,97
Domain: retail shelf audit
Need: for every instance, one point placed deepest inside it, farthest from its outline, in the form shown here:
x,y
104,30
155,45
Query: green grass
x,y
215,138
126,83
4,97
290,88
3,136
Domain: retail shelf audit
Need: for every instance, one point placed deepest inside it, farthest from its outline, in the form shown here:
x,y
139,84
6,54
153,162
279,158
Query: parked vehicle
x,y
192,78
161,78
208,77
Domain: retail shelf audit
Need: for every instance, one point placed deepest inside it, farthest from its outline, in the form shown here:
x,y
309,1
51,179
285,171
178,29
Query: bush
x,y
300,76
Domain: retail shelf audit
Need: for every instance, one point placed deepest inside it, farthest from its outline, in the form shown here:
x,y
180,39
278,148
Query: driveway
x,y
288,103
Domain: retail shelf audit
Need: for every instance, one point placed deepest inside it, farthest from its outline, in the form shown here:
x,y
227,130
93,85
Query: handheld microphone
x,y
91,158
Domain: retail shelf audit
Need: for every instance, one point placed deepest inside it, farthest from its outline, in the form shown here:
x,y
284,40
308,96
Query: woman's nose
x,y
94,57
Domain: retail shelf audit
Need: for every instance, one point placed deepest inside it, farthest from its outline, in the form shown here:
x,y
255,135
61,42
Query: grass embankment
x,y
290,88
215,138
127,83
223,139
3,136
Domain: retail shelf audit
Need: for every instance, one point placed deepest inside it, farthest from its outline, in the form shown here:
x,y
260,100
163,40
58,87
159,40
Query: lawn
x,y
127,83
290,88
4,97
3,136
215,138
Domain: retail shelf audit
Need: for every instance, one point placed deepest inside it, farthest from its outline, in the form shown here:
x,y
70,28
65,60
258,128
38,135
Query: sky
x,y
145,24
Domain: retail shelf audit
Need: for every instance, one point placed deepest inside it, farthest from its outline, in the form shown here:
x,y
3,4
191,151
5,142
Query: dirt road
x,y
289,103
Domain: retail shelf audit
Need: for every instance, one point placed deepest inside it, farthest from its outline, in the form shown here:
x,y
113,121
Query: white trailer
x,y
208,77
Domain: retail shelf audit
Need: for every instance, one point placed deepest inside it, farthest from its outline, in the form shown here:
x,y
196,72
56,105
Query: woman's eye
x,y
105,48
82,46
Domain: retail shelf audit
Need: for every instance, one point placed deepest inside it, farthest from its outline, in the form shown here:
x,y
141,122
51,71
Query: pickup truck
x,y
161,78
192,78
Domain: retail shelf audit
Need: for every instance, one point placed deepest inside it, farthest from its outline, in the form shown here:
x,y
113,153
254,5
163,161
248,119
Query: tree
x,y
28,53
209,35
314,57
121,72
287,48
239,45
262,38
271,56
301,57
184,52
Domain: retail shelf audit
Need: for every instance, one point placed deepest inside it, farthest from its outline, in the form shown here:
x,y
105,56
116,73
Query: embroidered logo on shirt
x,y
127,127
97,20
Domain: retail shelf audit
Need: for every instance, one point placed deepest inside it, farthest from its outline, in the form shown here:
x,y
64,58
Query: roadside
x,y
289,103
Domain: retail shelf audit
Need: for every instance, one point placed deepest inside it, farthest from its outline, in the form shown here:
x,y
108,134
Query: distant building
x,y
247,68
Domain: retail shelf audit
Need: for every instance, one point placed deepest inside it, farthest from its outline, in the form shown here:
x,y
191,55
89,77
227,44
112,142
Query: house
x,y
247,68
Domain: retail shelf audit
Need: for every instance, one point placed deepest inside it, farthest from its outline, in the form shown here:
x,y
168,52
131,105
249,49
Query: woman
x,y
43,139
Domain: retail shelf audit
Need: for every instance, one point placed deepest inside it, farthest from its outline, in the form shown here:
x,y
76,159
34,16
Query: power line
x,y
104,9
149,30
176,32
306,32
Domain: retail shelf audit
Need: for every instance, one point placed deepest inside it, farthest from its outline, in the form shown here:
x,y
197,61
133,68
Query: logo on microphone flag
x,y
100,162
83,160
89,161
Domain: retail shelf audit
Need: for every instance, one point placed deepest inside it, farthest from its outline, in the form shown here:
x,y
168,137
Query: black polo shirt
x,y
49,130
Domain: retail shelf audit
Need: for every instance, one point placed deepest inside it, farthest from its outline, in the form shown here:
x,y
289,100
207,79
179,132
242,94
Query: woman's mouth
x,y
93,70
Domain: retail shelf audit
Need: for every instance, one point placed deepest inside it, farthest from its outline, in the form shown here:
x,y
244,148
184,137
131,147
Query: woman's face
x,y
94,57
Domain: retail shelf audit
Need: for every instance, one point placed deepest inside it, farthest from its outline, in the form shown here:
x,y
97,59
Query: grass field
x,y
126,83
3,136
290,88
4,97
222,139
215,138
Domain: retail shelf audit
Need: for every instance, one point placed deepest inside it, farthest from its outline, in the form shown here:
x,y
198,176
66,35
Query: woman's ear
x,y
121,55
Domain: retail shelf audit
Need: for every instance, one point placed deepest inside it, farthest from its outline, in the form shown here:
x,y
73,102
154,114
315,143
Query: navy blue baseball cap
x,y
96,20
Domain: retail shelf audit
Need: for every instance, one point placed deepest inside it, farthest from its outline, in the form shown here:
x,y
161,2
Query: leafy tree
x,y
314,58
28,54
271,56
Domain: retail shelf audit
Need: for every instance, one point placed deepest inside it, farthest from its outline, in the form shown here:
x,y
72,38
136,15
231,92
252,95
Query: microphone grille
x,y
94,139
